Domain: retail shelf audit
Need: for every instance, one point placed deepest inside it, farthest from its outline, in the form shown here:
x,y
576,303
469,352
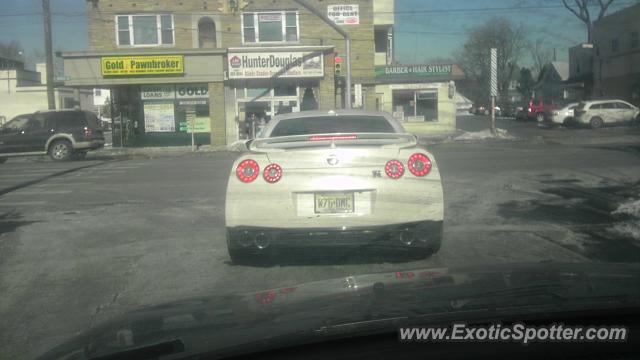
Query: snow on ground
x,y
631,227
485,134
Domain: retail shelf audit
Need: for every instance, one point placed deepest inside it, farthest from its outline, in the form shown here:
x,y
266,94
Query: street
x,y
83,241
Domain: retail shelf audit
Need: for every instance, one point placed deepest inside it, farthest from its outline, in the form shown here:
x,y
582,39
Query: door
x,y
610,113
627,113
36,132
12,135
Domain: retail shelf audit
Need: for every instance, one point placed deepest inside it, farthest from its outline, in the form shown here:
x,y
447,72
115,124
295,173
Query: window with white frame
x,y
144,29
270,27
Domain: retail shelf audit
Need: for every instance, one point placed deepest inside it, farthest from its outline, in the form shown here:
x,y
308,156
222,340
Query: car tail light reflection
x,y
247,170
394,169
419,164
87,132
272,173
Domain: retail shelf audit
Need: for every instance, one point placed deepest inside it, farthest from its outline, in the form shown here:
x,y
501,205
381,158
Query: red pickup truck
x,y
537,109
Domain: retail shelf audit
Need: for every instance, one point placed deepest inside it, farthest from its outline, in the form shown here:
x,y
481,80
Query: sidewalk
x,y
155,152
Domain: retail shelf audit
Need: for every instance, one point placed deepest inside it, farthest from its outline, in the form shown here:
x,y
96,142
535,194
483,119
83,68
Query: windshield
x,y
257,171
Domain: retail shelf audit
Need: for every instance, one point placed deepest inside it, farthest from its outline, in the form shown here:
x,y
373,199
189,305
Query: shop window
x,y
270,27
416,105
286,89
206,33
253,93
144,30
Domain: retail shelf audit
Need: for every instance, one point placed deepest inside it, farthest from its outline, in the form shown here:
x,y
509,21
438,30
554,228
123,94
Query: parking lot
x,y
81,242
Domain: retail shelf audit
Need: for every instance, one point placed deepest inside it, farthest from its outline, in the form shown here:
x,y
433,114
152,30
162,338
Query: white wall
x,y
34,98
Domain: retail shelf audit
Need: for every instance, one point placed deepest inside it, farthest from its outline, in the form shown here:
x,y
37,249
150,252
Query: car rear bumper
x,y
423,234
89,145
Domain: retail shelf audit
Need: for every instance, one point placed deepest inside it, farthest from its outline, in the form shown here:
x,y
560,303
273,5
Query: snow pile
x,y
485,134
631,227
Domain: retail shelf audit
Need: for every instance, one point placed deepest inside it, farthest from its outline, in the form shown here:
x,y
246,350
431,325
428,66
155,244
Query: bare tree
x,y
540,55
11,50
474,57
580,8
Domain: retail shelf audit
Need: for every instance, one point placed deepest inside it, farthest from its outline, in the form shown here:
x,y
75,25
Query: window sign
x,y
344,14
157,92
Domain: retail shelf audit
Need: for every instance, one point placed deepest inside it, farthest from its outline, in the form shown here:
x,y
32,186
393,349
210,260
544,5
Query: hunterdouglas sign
x,y
278,64
413,71
142,65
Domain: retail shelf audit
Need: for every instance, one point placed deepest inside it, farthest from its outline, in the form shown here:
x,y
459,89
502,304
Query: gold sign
x,y
142,65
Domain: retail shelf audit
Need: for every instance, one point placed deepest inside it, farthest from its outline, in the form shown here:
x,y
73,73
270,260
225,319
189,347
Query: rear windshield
x,y
332,124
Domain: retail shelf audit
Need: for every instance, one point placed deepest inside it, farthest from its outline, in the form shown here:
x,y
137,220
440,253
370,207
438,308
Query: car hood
x,y
241,323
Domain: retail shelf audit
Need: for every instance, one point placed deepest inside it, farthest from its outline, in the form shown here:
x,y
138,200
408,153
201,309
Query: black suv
x,y
61,134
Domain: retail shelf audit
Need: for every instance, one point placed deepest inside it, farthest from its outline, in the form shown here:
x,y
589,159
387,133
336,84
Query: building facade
x,y
213,67
220,68
616,65
24,91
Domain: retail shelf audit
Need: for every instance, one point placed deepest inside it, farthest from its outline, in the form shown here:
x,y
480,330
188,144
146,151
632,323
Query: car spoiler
x,y
400,140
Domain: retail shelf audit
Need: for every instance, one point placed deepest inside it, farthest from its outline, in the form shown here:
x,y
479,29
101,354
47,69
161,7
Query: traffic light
x,y
337,65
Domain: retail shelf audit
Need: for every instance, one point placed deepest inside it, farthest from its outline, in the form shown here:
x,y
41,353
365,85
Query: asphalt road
x,y
81,242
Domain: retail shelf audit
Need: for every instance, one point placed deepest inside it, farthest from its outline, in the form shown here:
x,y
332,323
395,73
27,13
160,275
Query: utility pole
x,y
49,53
347,41
494,88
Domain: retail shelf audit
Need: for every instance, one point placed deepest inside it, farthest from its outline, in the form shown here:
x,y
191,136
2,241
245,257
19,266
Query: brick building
x,y
616,62
210,65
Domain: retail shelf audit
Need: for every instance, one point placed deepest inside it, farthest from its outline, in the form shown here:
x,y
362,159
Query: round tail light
x,y
394,169
247,170
419,164
272,173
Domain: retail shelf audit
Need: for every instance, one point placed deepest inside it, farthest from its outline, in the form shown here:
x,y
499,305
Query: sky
x,y
425,29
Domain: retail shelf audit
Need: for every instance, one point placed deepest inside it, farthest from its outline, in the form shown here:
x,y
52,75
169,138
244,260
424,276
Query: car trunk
x,y
337,158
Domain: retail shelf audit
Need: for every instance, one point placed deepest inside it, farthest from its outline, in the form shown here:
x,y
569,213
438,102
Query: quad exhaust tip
x,y
407,237
262,241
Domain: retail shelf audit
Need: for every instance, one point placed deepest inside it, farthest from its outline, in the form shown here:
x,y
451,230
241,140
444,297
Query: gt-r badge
x,y
333,160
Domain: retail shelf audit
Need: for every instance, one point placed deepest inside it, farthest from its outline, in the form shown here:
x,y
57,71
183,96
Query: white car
x,y
563,116
597,113
337,178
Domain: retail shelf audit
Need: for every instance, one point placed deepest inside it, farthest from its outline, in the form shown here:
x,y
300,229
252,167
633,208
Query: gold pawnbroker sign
x,y
142,65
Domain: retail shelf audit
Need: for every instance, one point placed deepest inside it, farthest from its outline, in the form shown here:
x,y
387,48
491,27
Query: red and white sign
x,y
344,14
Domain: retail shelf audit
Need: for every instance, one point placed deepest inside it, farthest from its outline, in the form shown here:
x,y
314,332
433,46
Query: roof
x,y
562,68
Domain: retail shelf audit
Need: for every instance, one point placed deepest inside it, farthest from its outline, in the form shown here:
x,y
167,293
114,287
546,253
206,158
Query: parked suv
x,y
598,113
61,134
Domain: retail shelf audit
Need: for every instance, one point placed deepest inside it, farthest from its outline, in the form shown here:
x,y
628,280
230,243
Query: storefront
x,y
422,97
159,98
264,82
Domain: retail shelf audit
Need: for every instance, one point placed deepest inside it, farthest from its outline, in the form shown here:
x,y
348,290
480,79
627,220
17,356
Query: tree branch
x,y
604,6
578,15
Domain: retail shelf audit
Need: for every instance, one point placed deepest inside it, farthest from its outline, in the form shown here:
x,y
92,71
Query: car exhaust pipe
x,y
407,237
245,239
262,241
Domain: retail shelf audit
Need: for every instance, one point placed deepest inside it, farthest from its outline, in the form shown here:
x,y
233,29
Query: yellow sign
x,y
142,65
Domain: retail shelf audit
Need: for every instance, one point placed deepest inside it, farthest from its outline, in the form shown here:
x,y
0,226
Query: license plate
x,y
333,203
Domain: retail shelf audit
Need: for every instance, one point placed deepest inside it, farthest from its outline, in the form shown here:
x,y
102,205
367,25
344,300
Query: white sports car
x,y
339,178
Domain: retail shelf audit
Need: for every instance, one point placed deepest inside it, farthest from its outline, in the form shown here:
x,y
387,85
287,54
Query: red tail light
x,y
272,173
247,170
394,169
419,164
87,132
330,137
